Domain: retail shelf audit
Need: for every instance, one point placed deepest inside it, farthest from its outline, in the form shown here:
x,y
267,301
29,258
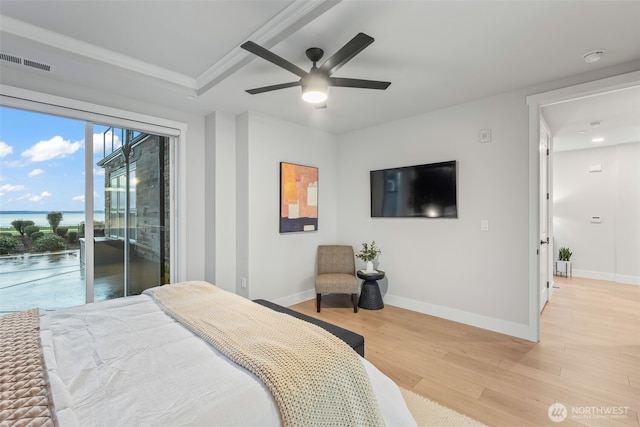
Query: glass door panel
x,y
136,191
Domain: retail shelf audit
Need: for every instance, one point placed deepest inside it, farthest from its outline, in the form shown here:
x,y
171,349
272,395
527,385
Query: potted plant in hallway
x,y
368,253
563,264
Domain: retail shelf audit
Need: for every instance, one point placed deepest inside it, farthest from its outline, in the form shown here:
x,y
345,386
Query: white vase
x,y
369,266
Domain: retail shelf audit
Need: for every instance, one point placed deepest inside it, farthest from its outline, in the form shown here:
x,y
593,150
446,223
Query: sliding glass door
x,y
84,211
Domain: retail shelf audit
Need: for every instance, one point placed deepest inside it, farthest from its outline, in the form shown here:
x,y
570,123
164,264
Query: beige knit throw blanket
x,y
316,379
24,388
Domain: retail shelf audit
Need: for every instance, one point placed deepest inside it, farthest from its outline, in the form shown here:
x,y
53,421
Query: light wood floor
x,y
588,358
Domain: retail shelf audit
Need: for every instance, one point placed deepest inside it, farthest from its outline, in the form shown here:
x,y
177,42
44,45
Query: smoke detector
x,y
593,56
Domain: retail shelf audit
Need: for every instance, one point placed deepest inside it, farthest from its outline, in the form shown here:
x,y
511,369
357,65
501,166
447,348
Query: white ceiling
x,y
435,53
610,118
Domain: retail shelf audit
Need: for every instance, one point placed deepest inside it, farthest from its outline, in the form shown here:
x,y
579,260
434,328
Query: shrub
x,y
20,224
61,231
36,235
7,244
30,229
54,219
5,234
49,242
73,236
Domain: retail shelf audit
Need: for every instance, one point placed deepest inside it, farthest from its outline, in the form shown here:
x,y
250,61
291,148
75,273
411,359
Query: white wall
x,y
449,267
280,267
628,214
609,250
220,200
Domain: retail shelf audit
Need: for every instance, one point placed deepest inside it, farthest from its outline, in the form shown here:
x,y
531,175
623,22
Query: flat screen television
x,y
428,191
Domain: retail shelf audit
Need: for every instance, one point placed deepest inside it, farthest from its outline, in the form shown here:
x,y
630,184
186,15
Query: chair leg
x,y
318,298
354,299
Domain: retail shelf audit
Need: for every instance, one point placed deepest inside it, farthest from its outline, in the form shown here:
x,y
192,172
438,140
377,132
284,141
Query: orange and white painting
x,y
298,198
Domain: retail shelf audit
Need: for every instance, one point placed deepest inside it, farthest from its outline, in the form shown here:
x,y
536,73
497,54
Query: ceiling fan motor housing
x,y
314,54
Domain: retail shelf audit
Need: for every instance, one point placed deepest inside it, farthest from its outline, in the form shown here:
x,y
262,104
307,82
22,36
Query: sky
x,y
42,162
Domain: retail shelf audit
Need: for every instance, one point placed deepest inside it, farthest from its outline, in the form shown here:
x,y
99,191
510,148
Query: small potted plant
x,y
563,265
368,253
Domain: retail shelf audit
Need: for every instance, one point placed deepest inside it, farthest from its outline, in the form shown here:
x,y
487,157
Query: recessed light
x,y
597,140
594,124
593,56
580,132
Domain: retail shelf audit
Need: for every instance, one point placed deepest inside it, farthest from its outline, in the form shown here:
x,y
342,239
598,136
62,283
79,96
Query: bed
x,y
144,361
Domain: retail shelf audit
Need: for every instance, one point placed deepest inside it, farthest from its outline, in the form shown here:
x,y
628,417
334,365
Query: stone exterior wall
x,y
151,159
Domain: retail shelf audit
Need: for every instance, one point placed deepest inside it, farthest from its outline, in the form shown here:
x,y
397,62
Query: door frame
x,y
546,234
535,103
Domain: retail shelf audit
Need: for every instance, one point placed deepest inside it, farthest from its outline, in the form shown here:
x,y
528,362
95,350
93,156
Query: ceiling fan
x,y
316,82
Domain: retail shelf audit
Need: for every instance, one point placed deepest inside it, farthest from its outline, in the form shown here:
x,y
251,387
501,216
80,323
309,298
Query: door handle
x,y
542,242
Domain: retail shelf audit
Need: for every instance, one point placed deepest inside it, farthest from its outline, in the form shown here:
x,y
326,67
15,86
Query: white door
x,y
545,260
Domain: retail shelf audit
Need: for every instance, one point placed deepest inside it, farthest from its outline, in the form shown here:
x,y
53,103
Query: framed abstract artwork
x,y
298,198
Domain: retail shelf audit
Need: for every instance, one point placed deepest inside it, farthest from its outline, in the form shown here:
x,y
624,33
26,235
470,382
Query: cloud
x,y
35,197
102,143
5,149
80,198
54,148
98,172
4,189
35,172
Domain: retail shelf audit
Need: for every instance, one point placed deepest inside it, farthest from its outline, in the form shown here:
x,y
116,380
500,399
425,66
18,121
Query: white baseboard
x,y
629,280
472,319
477,320
597,275
611,277
296,298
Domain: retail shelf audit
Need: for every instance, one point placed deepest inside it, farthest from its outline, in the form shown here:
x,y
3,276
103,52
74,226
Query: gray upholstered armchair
x,y
336,273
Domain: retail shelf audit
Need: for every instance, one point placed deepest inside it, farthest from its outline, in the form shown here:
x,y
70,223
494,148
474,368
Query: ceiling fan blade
x,y
348,51
320,105
273,58
273,87
364,84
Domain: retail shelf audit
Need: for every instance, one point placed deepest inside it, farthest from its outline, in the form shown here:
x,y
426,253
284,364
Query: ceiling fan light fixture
x,y
314,87
314,96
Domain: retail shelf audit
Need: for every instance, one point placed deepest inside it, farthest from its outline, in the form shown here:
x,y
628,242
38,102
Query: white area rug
x,y
428,413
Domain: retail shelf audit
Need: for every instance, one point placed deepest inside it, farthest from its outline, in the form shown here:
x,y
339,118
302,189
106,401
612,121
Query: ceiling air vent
x,y
10,58
24,62
38,65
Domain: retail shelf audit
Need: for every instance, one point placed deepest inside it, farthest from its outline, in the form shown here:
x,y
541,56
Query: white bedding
x,y
124,362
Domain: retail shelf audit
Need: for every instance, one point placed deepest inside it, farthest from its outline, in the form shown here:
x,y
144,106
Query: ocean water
x,y
40,217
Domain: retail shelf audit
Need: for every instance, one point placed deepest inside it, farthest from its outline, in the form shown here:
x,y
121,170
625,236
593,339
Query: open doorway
x,y
537,103
596,185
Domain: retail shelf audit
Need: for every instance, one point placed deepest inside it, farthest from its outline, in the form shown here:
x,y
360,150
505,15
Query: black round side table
x,y
370,296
